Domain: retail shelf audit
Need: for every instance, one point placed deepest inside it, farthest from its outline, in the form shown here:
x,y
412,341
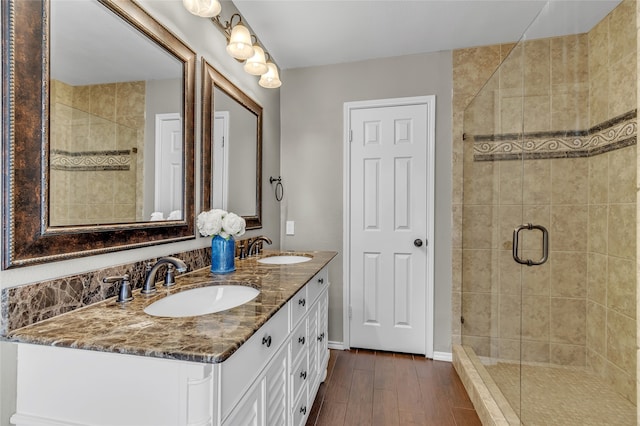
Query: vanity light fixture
x,y
257,64
240,46
245,47
204,8
271,79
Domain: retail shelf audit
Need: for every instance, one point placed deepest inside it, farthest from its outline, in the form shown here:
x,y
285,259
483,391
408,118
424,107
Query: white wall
x,y
311,160
208,42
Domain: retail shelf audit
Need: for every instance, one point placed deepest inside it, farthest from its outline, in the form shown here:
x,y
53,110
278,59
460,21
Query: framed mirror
x,y
98,130
231,148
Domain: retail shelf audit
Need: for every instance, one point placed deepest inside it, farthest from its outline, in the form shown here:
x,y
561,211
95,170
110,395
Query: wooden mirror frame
x,y
211,79
27,238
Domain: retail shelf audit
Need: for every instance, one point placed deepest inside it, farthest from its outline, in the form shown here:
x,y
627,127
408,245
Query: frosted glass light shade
x,y
204,8
257,64
240,43
271,79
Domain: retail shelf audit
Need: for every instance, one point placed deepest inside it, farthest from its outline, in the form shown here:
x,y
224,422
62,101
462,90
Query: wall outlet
x,y
290,228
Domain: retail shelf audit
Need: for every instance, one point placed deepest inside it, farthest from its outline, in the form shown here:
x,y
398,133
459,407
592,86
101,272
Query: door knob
x,y
417,242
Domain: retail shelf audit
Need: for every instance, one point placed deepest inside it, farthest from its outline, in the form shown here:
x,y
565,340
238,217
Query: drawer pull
x,y
301,340
321,337
302,302
303,375
303,410
320,280
266,340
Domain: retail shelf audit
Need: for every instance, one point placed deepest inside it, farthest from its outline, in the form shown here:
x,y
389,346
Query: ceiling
x,y
303,33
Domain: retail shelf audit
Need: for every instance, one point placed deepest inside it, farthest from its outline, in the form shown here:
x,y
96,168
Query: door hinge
x,y
223,141
350,135
350,312
461,319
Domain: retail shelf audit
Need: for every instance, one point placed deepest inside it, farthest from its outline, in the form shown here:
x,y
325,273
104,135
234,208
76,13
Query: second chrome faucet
x,y
149,286
254,244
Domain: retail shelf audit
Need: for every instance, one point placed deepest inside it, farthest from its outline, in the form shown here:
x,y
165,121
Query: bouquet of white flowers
x,y
219,222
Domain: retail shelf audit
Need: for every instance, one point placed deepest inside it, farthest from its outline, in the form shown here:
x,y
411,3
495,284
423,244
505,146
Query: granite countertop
x,y
124,328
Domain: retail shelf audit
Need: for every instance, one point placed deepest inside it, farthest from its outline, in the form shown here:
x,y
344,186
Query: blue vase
x,y
223,255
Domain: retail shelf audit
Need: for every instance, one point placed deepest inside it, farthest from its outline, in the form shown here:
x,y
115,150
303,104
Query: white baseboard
x,y
437,356
336,345
442,356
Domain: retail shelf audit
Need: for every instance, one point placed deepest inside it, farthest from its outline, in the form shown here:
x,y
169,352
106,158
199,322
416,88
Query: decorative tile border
x,y
28,304
90,160
613,134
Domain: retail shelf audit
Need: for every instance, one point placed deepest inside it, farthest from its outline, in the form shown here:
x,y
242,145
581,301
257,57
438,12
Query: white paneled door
x,y
169,173
389,219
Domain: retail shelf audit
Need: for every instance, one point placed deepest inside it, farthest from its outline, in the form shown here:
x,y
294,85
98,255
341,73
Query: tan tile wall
x,y
637,15
576,309
611,278
96,118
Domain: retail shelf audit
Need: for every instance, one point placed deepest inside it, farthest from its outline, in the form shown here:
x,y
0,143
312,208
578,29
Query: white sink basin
x,y
284,260
201,301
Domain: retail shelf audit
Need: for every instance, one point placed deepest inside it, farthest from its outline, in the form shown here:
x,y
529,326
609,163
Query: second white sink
x,y
284,260
201,301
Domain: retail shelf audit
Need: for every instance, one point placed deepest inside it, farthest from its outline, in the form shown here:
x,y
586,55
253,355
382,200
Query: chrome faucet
x,y
149,286
255,244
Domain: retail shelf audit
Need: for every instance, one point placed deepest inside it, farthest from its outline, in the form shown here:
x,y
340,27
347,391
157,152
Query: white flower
x,y
175,215
233,225
219,222
210,222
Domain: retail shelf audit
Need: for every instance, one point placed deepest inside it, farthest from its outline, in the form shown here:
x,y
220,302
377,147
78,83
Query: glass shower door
x,y
549,223
491,302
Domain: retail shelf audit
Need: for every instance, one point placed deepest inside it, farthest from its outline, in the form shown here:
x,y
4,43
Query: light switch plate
x,y
290,227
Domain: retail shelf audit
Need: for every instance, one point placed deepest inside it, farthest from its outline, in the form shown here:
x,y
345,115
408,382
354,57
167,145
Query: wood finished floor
x,y
382,388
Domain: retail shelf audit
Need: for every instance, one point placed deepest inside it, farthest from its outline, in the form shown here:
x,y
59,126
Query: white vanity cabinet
x,y
284,392
272,379
310,366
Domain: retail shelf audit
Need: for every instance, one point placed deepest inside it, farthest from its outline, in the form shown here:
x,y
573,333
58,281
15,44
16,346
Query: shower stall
x,y
548,247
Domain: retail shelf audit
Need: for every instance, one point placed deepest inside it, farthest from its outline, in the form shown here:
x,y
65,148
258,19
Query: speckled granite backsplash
x,y
29,304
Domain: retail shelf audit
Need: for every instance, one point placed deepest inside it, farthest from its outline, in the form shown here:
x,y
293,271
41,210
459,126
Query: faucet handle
x,y
124,294
169,278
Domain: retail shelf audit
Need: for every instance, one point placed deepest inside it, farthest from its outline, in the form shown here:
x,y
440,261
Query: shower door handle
x,y
545,244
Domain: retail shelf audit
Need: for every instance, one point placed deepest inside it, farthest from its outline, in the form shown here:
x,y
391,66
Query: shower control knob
x,y
417,242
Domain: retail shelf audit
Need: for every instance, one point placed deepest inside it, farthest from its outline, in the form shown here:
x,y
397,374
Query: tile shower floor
x,y
556,396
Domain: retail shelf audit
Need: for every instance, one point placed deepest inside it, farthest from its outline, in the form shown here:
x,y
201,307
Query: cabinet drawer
x,y
300,410
318,283
240,370
299,376
299,305
299,340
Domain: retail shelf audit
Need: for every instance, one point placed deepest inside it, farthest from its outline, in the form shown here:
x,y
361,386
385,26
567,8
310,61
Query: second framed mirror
x,y
231,148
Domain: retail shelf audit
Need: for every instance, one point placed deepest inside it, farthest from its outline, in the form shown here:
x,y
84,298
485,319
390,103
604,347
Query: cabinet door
x,y
265,403
276,389
250,409
323,330
313,344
